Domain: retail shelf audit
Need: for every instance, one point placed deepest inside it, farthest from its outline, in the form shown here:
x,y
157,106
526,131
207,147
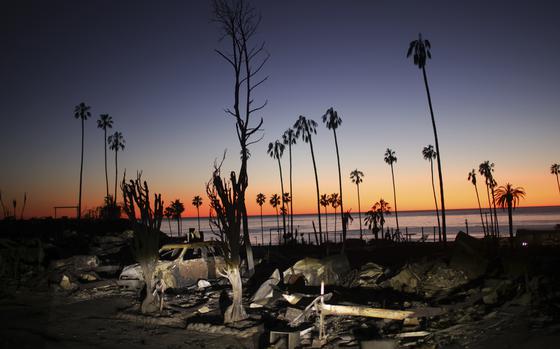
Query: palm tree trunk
x,y
282,198
334,224
198,217
510,220
395,197
558,183
262,229
490,209
106,175
291,193
116,175
359,210
326,224
277,223
435,198
178,226
495,214
81,173
480,209
444,230
169,223
340,189
317,187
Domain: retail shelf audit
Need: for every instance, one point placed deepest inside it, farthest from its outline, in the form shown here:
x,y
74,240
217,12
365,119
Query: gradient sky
x,y
151,65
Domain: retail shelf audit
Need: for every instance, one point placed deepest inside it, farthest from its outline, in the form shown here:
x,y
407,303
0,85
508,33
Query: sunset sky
x,y
151,65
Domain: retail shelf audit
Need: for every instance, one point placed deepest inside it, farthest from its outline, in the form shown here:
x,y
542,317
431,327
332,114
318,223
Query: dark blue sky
x,y
152,66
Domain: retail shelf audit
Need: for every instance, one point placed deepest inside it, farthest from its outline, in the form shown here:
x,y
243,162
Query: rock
x,y
332,270
201,284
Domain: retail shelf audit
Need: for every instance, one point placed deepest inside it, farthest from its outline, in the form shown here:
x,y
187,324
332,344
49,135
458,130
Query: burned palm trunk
x,y
146,232
225,201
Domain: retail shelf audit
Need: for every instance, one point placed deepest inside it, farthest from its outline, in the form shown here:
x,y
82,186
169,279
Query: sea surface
x,y
413,222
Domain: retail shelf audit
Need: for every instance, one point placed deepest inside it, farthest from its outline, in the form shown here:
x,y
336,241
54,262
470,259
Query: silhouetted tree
x,y
555,169
325,202
261,199
286,199
472,179
168,213
486,169
239,22
332,121
23,207
104,122
177,208
81,111
276,150
372,220
305,128
274,202
356,177
4,209
421,49
334,199
383,209
197,202
116,143
430,154
508,196
391,158
289,139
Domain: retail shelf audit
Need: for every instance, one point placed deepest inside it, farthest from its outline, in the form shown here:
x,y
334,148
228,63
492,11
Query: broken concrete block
x,y
203,284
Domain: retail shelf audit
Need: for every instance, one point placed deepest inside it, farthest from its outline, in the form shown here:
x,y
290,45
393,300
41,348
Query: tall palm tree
x,y
81,111
305,128
261,199
276,150
104,122
486,169
383,209
430,154
391,158
472,179
274,202
421,49
509,196
289,139
287,198
555,169
116,143
324,201
356,177
332,121
334,199
177,208
372,220
197,202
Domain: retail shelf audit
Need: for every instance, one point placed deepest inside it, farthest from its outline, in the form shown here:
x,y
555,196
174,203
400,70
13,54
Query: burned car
x,y
179,265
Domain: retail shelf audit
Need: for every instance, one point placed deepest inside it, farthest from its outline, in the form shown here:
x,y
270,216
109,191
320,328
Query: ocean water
x,y
412,221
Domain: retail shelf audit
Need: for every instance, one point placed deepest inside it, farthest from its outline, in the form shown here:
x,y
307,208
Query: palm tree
x,y
472,179
509,196
324,201
168,213
304,128
486,169
104,122
429,154
274,202
177,208
421,49
332,121
276,150
382,208
81,111
116,143
555,169
334,199
391,158
261,199
289,139
287,198
371,220
197,202
356,177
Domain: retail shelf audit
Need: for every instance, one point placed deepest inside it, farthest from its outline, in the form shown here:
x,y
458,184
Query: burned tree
x,y
226,203
136,194
238,23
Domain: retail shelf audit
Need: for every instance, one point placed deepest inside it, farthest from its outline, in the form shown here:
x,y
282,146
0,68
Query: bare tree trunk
x,y
440,175
395,197
149,304
235,312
